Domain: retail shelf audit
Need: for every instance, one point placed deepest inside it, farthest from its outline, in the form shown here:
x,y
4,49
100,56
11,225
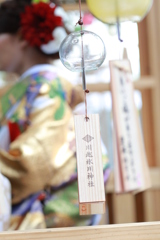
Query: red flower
x,y
38,22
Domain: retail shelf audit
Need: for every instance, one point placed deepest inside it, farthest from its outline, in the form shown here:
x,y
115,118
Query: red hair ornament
x,y
38,23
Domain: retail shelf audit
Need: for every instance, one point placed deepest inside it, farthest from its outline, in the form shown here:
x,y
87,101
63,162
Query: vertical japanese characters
x,y
89,160
89,165
130,163
126,146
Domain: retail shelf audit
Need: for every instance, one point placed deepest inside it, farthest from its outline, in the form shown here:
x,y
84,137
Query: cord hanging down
x,y
80,22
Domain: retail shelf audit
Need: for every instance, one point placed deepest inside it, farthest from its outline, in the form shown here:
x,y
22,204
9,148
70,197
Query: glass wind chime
x,y
84,51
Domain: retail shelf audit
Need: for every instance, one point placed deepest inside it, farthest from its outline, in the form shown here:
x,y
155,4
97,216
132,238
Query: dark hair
x,y
10,11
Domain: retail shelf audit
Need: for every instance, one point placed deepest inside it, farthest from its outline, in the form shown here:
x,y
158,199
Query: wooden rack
x,y
127,208
134,231
143,83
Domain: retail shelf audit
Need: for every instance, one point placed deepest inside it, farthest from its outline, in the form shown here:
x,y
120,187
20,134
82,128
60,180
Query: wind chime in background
x,y
131,171
80,52
111,11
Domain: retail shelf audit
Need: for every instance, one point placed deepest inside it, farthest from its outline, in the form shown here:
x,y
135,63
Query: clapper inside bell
x,y
89,165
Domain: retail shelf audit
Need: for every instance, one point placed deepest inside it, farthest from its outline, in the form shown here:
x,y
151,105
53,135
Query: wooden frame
x,y
149,85
143,83
149,38
155,180
134,231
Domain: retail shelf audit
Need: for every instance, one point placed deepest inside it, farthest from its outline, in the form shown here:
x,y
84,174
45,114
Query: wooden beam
x,y
134,231
74,6
146,82
155,180
141,207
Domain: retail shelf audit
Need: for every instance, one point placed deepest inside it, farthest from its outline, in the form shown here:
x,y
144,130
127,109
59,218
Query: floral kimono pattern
x,y
40,161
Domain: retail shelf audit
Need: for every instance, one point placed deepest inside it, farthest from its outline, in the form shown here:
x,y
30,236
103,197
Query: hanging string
x,y
118,30
85,99
80,22
117,21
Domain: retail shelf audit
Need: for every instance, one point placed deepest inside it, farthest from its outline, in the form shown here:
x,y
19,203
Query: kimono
x,y
5,203
37,150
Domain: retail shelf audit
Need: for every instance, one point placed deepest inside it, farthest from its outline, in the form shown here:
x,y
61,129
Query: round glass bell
x,y
82,50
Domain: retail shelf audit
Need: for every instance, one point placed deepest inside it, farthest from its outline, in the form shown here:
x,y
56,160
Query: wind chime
x,y
84,51
116,11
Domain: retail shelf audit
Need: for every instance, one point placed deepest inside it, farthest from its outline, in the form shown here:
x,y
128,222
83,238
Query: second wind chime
x,y
84,51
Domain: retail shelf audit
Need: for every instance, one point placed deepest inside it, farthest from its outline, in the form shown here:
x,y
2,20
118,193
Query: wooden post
x,y
152,40
149,38
147,114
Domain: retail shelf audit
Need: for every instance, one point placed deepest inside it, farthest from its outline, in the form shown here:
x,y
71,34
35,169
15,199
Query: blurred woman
x,y
37,145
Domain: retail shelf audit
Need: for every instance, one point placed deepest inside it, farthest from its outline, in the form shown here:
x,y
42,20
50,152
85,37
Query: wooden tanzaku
x,y
130,163
89,165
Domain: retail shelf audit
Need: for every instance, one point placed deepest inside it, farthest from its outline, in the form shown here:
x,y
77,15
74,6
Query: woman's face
x,y
10,52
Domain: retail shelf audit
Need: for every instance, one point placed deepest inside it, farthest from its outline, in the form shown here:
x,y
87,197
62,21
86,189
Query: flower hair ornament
x,y
42,26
